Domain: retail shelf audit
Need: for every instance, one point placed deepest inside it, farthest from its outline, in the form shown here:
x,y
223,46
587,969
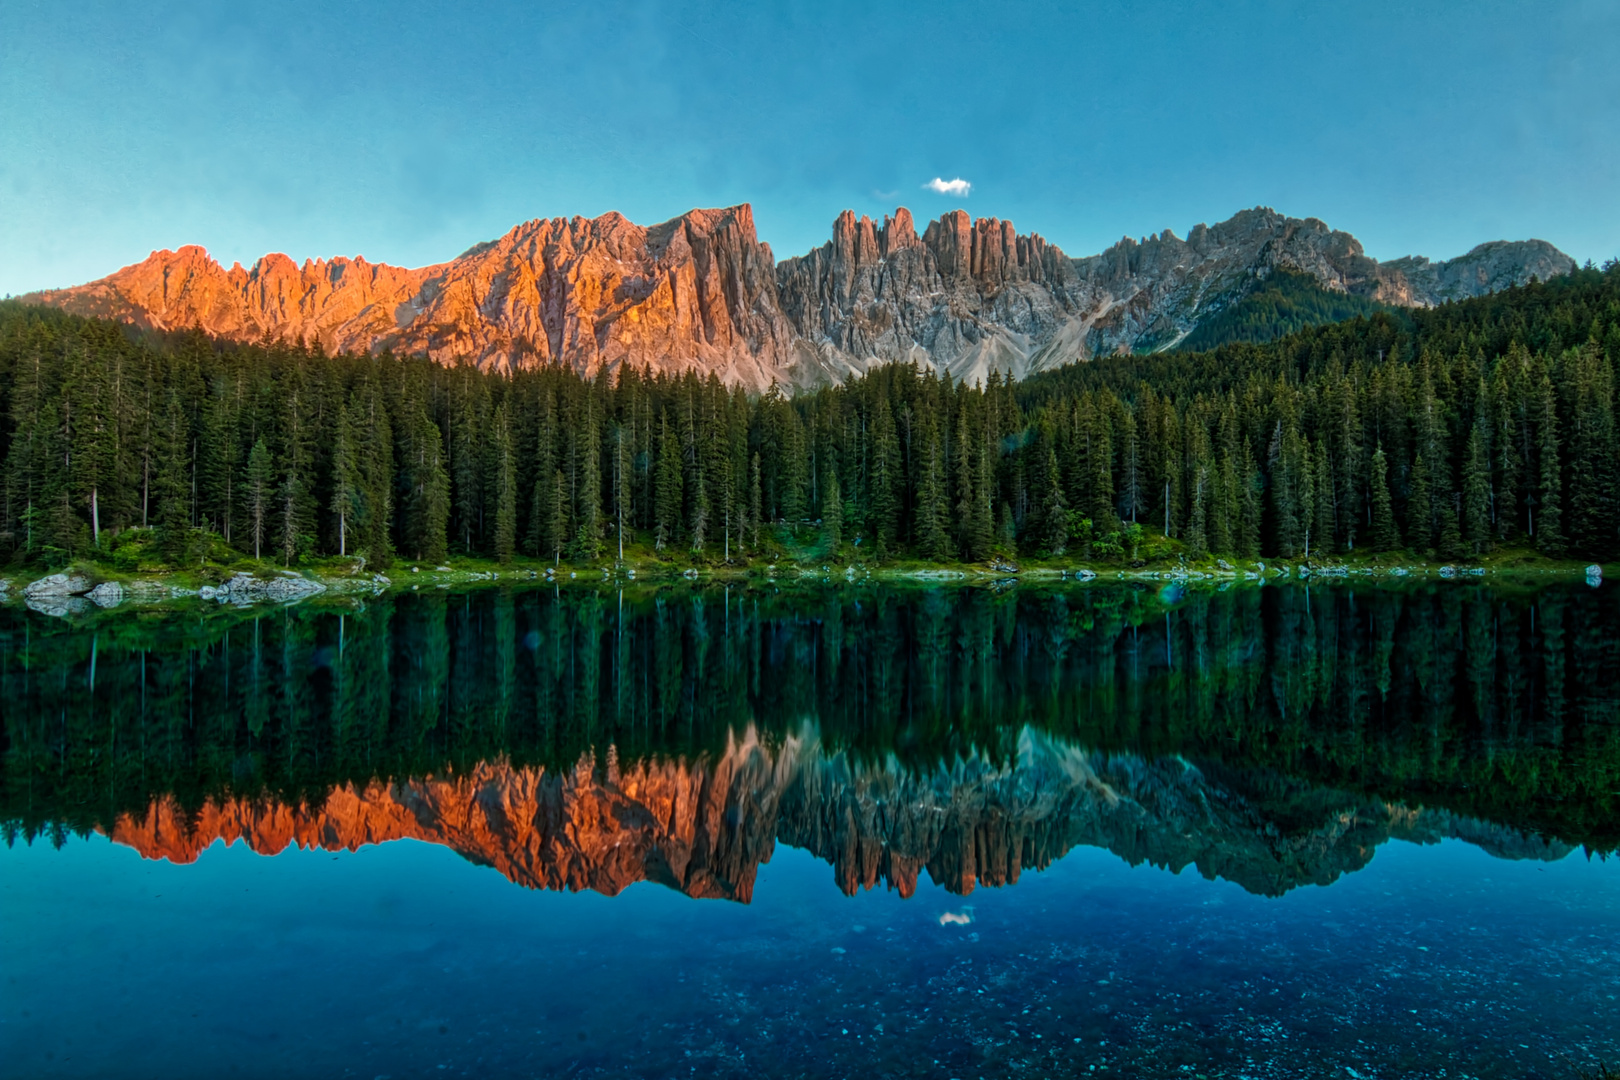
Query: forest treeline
x,y
1282,302
1445,432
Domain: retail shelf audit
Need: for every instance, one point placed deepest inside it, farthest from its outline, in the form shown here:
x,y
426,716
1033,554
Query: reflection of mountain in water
x,y
705,828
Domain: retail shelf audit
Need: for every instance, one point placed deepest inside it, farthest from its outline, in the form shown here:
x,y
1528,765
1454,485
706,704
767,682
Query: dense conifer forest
x,y
1444,433
1281,303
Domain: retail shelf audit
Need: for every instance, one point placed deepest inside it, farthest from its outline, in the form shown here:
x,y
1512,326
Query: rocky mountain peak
x,y
701,292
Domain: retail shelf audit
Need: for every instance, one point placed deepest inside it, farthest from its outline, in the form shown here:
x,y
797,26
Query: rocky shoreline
x,y
81,591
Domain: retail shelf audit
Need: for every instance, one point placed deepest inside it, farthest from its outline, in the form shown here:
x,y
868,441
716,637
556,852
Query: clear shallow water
x,y
757,785
403,959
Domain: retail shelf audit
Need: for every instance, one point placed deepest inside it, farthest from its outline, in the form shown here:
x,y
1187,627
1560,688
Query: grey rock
x,y
246,589
58,585
108,594
702,293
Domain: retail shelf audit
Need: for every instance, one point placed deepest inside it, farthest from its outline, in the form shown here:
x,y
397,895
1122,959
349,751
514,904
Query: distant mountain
x,y
702,293
705,827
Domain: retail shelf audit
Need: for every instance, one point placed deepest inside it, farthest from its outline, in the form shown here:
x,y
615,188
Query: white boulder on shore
x,y
58,585
109,594
247,589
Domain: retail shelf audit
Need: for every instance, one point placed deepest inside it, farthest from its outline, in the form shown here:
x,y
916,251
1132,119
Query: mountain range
x,y
702,293
704,827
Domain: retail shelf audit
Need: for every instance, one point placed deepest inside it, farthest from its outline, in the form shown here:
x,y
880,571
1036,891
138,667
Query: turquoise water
x,y
1258,878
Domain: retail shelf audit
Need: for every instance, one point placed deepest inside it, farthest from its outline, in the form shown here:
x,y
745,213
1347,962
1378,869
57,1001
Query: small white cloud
x,y
956,918
958,187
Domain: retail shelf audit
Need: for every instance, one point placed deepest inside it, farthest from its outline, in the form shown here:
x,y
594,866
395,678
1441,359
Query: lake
x,y
1121,829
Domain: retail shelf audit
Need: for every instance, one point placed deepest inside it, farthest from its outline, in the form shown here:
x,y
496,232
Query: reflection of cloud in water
x,y
956,918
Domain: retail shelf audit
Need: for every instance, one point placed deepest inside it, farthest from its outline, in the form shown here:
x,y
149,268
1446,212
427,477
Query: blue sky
x,y
408,131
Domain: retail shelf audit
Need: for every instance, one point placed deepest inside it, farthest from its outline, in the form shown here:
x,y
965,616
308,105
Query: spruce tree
x,y
981,523
933,538
1591,520
1054,512
588,482
755,504
669,496
1198,518
1385,536
505,487
558,526
1420,510
886,478
832,515
1252,484
1547,517
258,493
346,499
1325,531
170,488
374,452
1476,495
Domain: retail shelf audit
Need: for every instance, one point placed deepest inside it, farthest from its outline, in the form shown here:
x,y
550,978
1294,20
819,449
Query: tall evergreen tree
x,y
670,496
259,494
346,500
505,487
1385,536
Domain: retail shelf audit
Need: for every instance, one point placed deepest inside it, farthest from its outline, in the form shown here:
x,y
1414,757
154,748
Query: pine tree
x,y
755,504
588,483
1476,495
1325,530
505,487
1547,525
1385,536
217,458
426,502
1054,512
886,478
1420,510
558,525
538,539
171,486
1100,454
669,496
621,487
933,538
832,514
1591,520
1198,519
981,521
258,490
1252,484
345,479
1130,468
965,475
295,510
374,453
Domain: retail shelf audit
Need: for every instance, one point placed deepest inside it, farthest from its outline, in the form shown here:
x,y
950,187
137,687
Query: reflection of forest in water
x,y
589,738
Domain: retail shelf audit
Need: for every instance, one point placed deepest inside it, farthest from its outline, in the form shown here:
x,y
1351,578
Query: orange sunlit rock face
x,y
695,292
702,293
705,827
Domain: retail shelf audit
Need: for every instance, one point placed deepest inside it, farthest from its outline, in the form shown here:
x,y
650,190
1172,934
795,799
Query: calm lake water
x,y
1114,830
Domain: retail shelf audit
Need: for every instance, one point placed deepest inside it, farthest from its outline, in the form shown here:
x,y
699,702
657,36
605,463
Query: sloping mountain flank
x,y
704,828
702,293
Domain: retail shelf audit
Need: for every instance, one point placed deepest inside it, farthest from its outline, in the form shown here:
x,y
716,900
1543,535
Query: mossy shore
x,y
263,580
